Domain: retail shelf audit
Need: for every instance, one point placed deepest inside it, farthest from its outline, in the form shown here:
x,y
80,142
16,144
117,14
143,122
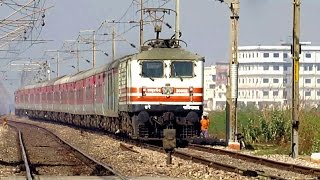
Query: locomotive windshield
x,y
181,69
152,69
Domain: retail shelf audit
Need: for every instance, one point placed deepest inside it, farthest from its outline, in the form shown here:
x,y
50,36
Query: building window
x,y
318,81
318,67
308,55
318,93
212,86
276,68
213,77
265,80
308,93
275,80
265,55
285,81
275,55
307,81
265,93
275,93
285,55
285,94
307,67
265,67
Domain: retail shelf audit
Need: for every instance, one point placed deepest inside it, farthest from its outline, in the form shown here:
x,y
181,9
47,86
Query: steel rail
x,y
225,167
23,153
263,161
196,159
100,167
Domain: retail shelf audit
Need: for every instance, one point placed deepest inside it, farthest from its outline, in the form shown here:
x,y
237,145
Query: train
x,y
139,95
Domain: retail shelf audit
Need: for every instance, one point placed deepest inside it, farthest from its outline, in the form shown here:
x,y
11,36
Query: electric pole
x,y
295,78
58,56
232,89
141,24
94,49
78,58
113,43
177,31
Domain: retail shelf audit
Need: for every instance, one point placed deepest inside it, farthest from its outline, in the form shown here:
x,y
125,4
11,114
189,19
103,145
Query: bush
x,y
269,127
273,127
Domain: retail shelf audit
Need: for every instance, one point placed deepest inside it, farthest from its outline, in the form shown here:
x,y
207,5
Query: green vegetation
x,y
272,127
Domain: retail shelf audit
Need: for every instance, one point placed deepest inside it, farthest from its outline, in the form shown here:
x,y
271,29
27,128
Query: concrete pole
x,y
113,43
177,29
58,56
141,24
232,89
78,59
94,50
49,71
295,78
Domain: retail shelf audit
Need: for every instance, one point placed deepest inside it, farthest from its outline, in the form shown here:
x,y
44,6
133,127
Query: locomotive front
x,y
163,89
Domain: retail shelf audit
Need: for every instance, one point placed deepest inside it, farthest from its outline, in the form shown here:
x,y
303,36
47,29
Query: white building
x,y
215,78
209,86
265,76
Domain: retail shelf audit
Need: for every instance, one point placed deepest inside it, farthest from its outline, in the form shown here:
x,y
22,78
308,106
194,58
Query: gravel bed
x,y
225,159
9,152
47,157
301,160
130,164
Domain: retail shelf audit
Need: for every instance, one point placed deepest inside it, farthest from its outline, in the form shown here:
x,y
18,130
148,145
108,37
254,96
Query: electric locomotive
x,y
139,95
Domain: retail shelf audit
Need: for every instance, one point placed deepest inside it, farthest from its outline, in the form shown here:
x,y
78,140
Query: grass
x,y
272,129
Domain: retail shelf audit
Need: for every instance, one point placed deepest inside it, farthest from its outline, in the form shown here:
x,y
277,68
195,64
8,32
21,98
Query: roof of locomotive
x,y
168,53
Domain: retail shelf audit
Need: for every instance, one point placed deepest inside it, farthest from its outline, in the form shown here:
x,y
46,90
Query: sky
x,y
204,26
204,23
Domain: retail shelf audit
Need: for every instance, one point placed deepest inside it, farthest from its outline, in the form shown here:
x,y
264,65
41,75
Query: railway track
x,y
243,169
263,161
240,169
44,153
248,167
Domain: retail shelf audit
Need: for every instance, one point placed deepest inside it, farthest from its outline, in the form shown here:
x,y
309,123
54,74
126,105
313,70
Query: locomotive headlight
x,y
191,89
144,90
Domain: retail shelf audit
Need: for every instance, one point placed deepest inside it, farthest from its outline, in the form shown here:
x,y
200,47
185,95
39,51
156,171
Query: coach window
x,y
152,69
181,69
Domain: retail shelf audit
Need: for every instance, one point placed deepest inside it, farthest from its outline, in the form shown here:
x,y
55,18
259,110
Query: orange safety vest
x,y
204,124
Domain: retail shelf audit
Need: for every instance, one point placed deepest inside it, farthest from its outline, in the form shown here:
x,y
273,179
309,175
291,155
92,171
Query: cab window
x,y
152,69
181,69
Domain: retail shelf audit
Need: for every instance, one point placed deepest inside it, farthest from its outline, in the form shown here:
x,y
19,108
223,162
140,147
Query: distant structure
x,y
4,100
265,77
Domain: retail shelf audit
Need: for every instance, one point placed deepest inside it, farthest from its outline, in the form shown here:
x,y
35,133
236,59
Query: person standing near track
x,y
204,125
